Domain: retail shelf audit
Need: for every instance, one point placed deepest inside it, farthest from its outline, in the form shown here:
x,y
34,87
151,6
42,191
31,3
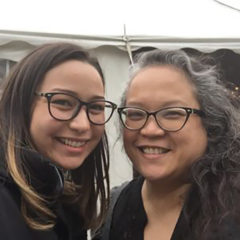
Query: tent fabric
x,y
15,44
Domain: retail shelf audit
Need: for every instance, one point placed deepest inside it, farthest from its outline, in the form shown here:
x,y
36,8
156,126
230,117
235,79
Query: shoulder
x,y
128,185
10,198
128,189
11,220
115,191
228,229
118,195
128,215
9,193
127,199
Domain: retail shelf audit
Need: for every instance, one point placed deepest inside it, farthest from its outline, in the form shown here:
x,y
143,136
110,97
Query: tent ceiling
x,y
167,18
202,24
15,44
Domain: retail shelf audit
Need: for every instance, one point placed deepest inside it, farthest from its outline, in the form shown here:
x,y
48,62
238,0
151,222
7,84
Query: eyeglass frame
x,y
49,95
188,110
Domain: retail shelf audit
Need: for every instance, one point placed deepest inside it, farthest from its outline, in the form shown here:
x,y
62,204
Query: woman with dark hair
x,y
181,130
54,151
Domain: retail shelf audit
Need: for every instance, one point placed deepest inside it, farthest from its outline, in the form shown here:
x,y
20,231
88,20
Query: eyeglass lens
x,y
64,107
171,119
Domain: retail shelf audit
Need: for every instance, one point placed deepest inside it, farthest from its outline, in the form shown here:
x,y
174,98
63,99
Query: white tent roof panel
x,y
168,18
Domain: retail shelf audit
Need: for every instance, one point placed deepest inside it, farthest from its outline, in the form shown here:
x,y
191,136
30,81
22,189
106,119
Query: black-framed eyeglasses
x,y
170,119
65,107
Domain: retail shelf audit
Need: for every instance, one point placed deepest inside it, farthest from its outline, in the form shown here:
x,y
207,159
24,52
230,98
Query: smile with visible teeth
x,y
154,150
72,143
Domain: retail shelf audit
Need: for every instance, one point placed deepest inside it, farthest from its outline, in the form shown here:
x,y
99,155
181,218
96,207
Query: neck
x,y
164,195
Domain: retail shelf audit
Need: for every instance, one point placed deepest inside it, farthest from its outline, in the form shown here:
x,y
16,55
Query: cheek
x,y
126,137
195,140
41,126
128,140
98,132
35,126
39,133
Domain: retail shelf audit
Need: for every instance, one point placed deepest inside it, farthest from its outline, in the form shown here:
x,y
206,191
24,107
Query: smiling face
x,y
155,153
67,143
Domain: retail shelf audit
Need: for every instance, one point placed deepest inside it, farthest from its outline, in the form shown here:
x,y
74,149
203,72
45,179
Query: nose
x,y
80,122
151,128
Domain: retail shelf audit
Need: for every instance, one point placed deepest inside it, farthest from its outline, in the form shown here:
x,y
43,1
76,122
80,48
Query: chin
x,y
151,172
151,176
70,164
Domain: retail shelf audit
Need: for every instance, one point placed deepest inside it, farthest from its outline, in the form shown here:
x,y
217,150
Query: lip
x,y
74,139
153,151
73,144
152,146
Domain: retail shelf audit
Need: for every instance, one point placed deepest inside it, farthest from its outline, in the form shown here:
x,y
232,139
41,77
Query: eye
x,y
173,113
96,107
134,114
63,101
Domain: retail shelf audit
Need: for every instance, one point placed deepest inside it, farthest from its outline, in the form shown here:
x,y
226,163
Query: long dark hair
x,y
214,196
83,186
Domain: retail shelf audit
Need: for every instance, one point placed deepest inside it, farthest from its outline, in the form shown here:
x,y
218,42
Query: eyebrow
x,y
94,97
174,103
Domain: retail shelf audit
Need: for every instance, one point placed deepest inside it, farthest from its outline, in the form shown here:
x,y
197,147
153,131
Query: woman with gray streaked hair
x,y
181,130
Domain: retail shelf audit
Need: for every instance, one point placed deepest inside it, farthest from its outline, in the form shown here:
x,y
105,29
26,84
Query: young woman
x,y
181,130
54,151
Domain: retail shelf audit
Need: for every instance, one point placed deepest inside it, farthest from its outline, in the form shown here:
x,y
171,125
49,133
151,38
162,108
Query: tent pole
x,y
128,46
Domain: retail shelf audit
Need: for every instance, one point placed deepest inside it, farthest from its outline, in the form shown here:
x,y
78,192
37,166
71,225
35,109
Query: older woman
x,y
181,130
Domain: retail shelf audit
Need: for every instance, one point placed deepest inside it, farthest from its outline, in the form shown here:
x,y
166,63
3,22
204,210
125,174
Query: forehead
x,y
75,76
74,67
161,84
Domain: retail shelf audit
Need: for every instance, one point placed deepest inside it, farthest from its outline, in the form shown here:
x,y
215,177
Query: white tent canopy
x,y
205,25
98,26
13,42
168,18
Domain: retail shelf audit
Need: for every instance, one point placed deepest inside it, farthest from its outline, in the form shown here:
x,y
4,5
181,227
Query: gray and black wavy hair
x,y
216,176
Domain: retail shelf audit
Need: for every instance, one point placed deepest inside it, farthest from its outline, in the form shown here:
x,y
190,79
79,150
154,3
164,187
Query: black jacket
x,y
12,225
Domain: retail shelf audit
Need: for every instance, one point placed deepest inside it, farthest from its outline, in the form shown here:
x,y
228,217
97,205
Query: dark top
x,y
13,227
129,219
